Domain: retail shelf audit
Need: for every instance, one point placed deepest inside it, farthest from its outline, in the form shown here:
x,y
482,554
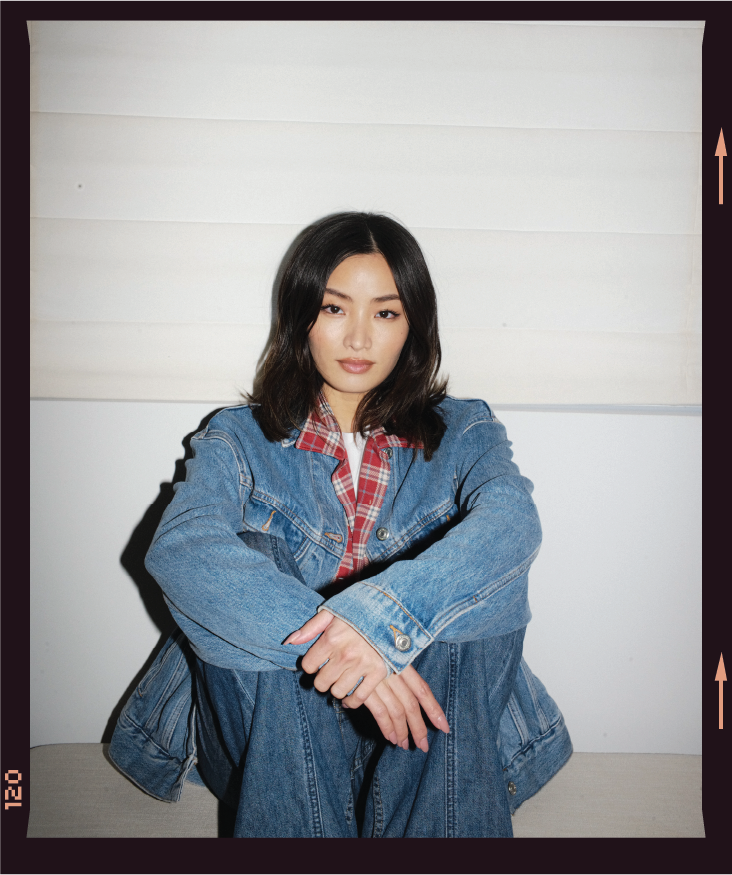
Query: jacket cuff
x,y
382,621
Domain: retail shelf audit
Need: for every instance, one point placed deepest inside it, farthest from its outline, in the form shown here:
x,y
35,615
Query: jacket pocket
x,y
260,516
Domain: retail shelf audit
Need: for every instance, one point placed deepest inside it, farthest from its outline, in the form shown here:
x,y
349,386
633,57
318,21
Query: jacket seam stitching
x,y
244,479
534,741
172,677
519,722
154,670
147,735
478,422
533,693
402,608
147,789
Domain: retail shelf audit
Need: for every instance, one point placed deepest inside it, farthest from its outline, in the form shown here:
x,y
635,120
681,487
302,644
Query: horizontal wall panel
x,y
111,271
493,74
214,362
115,167
144,361
559,281
537,366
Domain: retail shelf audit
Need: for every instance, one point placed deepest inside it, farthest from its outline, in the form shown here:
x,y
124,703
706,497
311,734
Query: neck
x,y
343,405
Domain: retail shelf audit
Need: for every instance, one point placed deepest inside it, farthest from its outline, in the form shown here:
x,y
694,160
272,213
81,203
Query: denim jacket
x,y
448,560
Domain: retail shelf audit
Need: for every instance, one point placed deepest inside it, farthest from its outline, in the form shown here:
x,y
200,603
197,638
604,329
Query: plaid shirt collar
x,y
321,434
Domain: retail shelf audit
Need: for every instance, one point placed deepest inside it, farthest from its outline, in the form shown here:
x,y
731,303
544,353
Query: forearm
x,y
399,620
225,588
233,593
474,578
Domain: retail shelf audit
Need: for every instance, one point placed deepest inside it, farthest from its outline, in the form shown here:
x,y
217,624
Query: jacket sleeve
x,y
470,584
237,598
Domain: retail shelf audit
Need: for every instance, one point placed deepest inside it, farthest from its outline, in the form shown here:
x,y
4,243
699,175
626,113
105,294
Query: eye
x,y
387,314
331,308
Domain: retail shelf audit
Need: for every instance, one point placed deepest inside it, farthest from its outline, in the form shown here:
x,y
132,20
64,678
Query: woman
x,y
350,546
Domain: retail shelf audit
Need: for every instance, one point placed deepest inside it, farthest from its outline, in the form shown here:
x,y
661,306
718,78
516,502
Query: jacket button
x,y
511,788
382,534
388,452
404,642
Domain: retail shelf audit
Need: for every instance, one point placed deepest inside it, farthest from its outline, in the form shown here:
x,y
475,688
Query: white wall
x,y
551,170
615,592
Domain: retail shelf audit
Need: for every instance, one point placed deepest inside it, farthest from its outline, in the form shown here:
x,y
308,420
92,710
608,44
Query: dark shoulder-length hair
x,y
405,403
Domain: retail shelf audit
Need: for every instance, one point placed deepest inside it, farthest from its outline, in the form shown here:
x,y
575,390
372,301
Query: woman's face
x,y
360,330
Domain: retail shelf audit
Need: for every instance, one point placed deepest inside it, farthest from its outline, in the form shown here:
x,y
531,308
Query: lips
x,y
355,366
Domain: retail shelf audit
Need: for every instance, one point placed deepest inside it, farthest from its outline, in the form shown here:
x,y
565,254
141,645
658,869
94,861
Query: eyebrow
x,y
378,300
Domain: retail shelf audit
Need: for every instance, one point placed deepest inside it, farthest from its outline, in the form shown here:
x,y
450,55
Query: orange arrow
x,y
721,153
721,676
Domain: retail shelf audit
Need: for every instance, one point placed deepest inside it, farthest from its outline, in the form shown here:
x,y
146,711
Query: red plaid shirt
x,y
321,434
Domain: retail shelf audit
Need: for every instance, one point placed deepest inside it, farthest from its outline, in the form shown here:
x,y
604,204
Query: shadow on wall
x,y
133,561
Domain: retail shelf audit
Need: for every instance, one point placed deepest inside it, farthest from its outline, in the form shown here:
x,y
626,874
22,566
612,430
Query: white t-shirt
x,y
355,445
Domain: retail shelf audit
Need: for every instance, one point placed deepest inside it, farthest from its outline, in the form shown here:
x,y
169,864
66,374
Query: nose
x,y
358,334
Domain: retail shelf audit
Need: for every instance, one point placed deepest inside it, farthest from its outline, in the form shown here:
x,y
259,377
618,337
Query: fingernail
x,y
343,705
291,638
423,745
443,724
405,744
393,738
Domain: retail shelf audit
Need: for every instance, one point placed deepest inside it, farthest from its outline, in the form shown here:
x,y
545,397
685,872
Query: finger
x,y
327,675
346,685
397,714
316,658
341,679
319,653
338,642
380,712
314,626
419,686
411,706
371,679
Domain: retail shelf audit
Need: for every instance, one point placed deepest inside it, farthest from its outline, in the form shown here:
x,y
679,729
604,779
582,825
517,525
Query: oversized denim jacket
x,y
456,537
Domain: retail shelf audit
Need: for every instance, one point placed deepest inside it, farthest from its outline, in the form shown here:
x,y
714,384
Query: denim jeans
x,y
294,763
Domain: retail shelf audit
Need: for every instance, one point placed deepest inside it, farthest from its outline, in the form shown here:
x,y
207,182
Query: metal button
x,y
404,642
382,534
388,452
511,788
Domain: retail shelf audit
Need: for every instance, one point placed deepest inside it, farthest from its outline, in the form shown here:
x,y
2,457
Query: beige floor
x,y
76,792
617,795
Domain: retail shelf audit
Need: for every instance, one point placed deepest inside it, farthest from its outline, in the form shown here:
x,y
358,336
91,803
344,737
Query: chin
x,y
354,386
354,383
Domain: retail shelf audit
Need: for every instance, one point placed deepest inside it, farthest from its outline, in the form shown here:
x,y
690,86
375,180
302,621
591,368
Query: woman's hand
x,y
395,704
394,701
339,658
